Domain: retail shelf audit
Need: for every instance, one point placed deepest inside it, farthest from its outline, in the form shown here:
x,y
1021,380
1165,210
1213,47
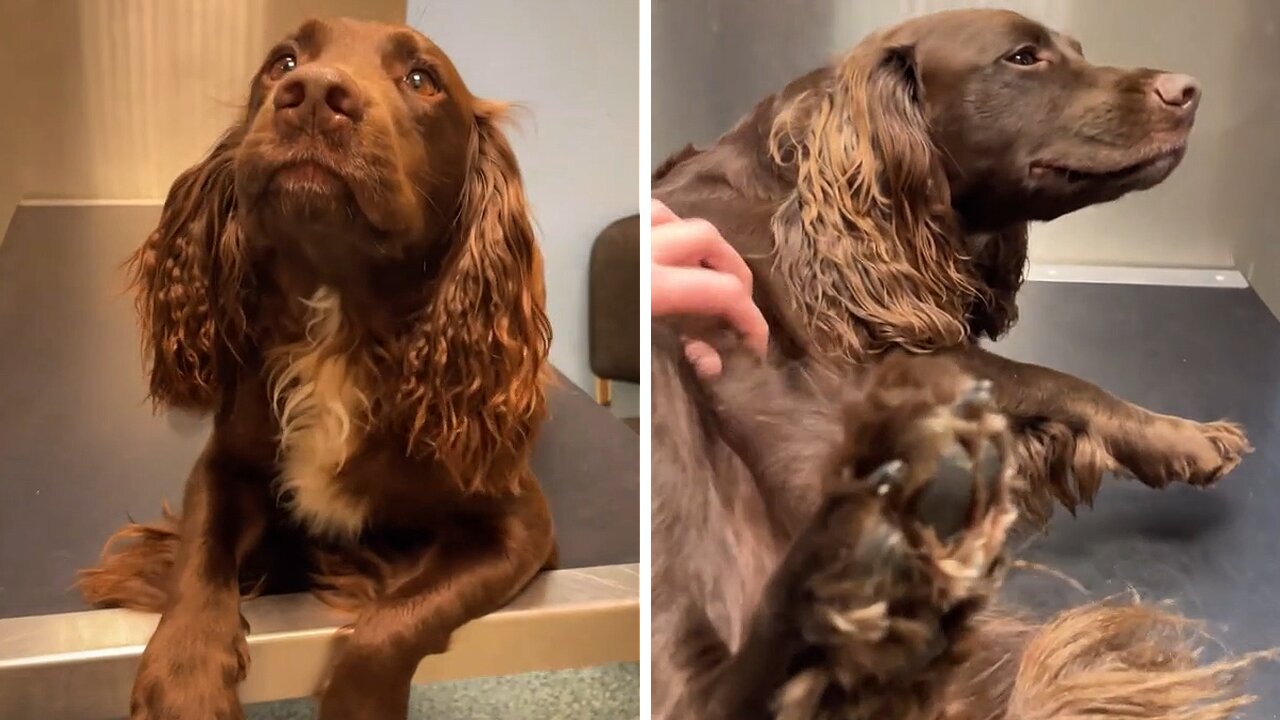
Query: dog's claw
x,y
976,399
887,476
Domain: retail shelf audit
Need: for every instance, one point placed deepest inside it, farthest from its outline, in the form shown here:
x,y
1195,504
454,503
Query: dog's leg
x,y
715,540
869,612
198,654
1072,431
469,572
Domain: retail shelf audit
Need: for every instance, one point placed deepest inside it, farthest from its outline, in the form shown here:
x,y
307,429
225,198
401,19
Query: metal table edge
x,y
80,665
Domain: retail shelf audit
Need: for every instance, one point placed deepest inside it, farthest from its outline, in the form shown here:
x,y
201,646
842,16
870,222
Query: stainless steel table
x,y
80,451
1199,352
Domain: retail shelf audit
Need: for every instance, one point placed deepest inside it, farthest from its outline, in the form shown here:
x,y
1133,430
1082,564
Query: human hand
x,y
695,271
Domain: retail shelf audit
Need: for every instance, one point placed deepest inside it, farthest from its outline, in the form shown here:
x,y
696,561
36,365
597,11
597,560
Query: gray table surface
x,y
1201,353
80,450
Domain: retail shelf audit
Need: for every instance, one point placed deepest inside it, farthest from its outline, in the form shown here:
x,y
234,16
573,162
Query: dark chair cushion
x,y
614,302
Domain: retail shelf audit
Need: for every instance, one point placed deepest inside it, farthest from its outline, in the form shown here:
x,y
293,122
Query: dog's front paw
x,y
1172,449
1230,445
369,680
190,670
895,563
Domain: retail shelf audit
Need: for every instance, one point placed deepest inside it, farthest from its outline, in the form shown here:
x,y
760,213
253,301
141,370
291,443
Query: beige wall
x,y
1220,209
1246,178
118,96
11,157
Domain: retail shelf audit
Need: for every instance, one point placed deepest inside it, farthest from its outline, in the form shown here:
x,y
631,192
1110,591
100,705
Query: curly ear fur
x,y
473,385
866,242
188,279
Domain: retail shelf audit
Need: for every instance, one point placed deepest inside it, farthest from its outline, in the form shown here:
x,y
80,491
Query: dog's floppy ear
x,y
188,279
474,369
867,241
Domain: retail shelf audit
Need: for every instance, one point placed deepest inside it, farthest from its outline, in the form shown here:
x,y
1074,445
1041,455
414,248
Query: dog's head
x,y
1026,127
356,148
365,172
946,128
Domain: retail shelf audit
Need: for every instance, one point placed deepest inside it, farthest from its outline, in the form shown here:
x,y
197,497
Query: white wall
x,y
1220,209
574,64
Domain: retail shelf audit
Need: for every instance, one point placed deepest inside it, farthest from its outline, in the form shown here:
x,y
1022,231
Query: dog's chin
x,y
1058,187
309,194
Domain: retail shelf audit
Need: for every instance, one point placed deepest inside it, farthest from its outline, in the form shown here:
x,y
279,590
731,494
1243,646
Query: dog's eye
x,y
420,79
1024,56
283,65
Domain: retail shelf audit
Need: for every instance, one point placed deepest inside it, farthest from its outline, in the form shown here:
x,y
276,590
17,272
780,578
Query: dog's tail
x,y
1109,660
136,567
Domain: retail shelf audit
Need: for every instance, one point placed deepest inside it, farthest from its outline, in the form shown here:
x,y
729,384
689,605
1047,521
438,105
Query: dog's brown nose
x,y
1177,90
318,97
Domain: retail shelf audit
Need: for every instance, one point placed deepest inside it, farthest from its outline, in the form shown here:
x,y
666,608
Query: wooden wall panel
x,y
119,96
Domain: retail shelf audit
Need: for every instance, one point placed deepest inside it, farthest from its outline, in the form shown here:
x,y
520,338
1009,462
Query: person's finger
x,y
660,213
699,291
704,359
693,242
697,242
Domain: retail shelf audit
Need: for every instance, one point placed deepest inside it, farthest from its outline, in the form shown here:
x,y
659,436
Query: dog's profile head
x,y
1025,126
995,114
945,128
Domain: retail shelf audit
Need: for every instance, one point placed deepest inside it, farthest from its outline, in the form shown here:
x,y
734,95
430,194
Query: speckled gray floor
x,y
611,692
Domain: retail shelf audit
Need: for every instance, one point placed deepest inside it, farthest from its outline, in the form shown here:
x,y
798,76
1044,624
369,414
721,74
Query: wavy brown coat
x,y
882,202
350,285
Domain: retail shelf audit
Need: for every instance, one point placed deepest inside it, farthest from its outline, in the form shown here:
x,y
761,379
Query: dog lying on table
x,y
350,285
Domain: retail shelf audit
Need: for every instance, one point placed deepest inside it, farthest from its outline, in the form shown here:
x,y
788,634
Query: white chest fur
x,y
315,389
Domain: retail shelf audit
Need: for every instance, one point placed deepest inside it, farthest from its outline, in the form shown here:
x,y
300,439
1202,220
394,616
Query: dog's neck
x,y
975,242
376,301
1005,247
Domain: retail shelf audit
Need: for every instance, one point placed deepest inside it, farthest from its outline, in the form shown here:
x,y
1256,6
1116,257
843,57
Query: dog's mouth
x,y
309,188
1153,164
309,176
311,183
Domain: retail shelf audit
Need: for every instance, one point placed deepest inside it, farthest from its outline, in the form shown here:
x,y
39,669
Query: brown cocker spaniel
x,y
829,524
886,198
350,285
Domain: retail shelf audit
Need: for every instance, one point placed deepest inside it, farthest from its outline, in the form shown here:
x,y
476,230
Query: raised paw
x,y
1231,445
897,561
1171,449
